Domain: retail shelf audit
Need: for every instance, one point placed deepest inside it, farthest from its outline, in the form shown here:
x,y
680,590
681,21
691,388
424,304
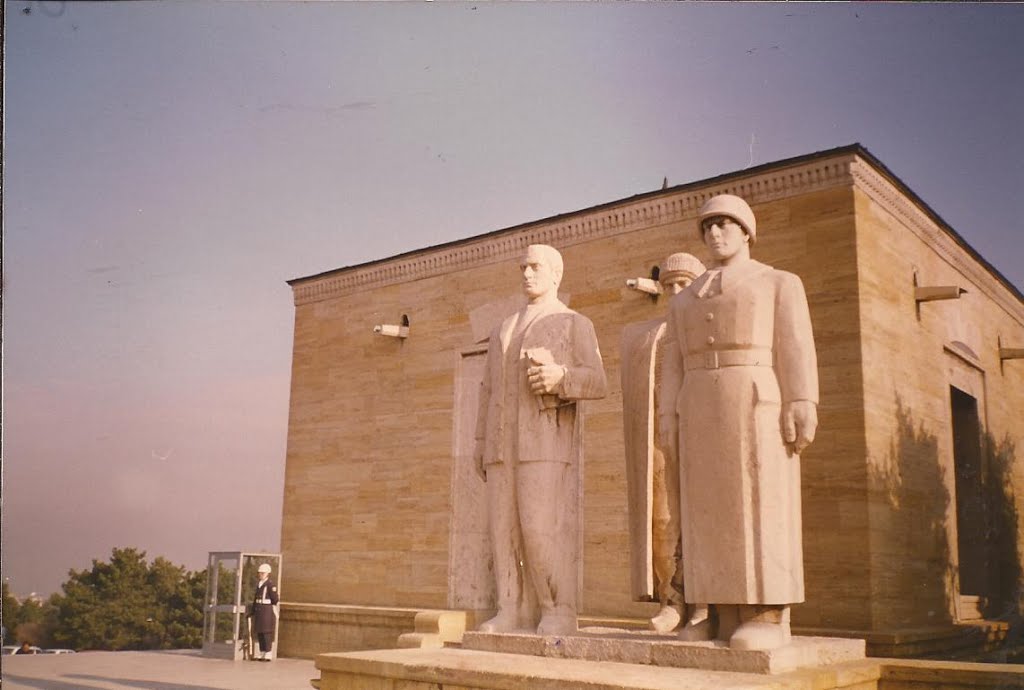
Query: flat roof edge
x,y
856,149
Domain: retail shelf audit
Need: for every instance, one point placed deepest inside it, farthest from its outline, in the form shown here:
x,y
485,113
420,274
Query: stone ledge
x,y
645,647
461,668
935,641
435,629
335,611
308,629
907,673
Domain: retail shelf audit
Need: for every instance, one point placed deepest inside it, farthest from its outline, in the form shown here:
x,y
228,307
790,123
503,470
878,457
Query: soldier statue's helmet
x,y
732,206
681,265
264,568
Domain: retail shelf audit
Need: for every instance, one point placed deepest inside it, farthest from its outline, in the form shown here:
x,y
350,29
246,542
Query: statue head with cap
x,y
679,270
728,228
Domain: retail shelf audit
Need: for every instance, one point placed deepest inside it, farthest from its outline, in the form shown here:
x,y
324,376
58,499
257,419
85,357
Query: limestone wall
x,y
912,355
382,509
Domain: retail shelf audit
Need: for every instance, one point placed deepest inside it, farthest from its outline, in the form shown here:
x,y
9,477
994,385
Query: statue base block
x,y
656,649
464,669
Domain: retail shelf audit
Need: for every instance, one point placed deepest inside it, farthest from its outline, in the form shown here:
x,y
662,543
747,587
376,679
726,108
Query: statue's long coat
x,y
743,337
640,350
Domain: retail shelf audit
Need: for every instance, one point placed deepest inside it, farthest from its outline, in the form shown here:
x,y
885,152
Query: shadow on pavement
x,y
63,684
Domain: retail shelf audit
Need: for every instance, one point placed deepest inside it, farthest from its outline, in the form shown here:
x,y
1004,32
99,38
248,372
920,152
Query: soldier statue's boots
x,y
698,627
762,628
757,635
667,619
505,621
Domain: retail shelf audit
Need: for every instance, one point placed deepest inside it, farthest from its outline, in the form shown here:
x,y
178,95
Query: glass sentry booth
x,y
230,587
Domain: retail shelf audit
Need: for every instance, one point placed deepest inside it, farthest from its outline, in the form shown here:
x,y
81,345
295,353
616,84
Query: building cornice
x,y
887,194
670,206
848,166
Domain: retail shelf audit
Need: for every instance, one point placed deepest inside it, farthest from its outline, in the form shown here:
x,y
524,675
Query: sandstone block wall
x,y
912,355
376,487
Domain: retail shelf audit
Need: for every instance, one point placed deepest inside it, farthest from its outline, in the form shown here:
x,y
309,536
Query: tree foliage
x,y
128,603
27,621
10,614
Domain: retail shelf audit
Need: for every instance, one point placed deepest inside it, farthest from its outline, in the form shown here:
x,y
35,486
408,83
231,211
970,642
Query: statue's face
x,y
538,274
677,285
724,237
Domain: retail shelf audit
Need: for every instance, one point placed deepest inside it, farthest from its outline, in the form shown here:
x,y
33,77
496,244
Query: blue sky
x,y
169,165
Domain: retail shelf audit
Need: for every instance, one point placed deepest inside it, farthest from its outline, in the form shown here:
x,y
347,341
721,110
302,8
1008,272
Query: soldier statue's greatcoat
x,y
741,386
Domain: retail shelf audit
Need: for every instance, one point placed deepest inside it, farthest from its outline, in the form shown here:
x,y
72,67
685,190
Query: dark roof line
x,y
855,148
936,218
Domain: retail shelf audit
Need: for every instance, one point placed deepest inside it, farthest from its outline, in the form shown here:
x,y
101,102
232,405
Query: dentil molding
x,y
584,226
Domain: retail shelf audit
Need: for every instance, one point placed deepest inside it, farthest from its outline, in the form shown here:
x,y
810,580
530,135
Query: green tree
x,y
130,604
9,616
36,622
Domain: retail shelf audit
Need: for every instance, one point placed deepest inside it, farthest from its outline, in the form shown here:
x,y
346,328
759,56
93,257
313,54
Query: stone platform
x,y
650,648
465,669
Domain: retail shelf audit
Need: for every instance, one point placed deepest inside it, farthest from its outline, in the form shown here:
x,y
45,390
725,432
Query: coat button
x,y
709,317
711,340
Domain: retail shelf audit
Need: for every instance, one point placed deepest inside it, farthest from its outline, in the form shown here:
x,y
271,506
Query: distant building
x,y
912,492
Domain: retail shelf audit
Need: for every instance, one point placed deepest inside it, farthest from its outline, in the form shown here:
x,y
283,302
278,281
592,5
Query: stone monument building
x,y
912,492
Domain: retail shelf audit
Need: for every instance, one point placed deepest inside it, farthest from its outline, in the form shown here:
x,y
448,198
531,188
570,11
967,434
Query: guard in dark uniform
x,y
264,613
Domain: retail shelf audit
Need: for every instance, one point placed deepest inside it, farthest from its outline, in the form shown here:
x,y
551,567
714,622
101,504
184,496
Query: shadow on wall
x,y
1003,600
913,482
917,582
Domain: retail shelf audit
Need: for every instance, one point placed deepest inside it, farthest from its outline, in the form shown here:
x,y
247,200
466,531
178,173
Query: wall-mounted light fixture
x,y
393,331
649,286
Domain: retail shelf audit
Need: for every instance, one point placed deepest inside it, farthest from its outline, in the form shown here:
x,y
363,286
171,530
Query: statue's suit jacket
x,y
550,434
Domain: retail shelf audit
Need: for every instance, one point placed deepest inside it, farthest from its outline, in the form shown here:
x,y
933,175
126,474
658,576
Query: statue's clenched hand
x,y
799,422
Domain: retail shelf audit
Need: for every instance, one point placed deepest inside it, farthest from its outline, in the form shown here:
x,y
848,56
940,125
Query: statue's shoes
x,y
503,622
755,635
666,620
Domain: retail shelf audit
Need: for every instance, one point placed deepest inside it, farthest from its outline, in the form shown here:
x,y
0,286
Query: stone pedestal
x,y
649,648
602,658
463,669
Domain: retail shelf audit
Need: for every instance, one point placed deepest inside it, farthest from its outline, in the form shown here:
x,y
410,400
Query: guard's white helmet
x,y
264,568
732,206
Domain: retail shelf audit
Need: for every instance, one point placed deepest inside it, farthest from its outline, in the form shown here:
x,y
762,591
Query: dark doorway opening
x,y
972,542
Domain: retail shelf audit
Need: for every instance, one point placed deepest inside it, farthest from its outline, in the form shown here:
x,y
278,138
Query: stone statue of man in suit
x,y
740,390
541,361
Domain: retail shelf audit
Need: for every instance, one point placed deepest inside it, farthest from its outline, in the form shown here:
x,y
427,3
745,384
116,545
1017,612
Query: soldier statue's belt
x,y
263,601
715,359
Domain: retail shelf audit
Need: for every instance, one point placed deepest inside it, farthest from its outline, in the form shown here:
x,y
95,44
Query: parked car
x,y
58,651
10,649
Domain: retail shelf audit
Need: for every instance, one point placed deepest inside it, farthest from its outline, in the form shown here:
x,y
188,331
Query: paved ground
x,y
178,670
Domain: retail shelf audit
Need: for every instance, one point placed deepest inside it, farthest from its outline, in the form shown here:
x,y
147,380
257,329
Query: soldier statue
x,y
740,392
